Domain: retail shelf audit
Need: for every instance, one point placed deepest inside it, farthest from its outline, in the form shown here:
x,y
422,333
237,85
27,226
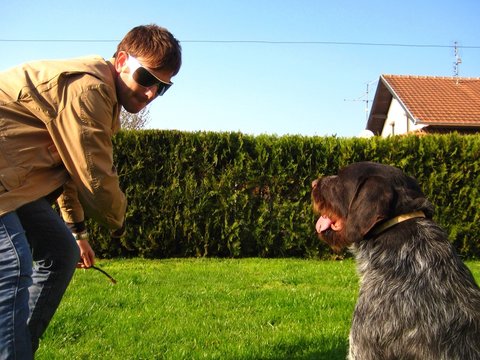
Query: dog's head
x,y
360,197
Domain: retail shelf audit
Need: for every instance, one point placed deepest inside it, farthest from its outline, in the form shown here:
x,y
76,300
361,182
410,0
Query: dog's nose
x,y
314,183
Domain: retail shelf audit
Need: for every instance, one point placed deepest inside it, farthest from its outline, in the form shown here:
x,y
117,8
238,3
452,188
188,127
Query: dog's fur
x,y
417,299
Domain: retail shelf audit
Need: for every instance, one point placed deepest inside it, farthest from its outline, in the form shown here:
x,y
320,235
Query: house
x,y
427,104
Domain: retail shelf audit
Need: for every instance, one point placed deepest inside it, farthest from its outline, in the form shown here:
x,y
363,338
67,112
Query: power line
x,y
270,42
57,40
332,43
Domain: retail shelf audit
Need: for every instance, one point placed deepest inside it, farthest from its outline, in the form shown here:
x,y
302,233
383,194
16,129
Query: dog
x,y
417,300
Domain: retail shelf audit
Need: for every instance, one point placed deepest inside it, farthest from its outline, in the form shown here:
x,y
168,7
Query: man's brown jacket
x,y
57,119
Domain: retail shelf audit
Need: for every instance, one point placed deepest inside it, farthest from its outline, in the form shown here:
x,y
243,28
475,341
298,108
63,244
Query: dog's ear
x,y
371,203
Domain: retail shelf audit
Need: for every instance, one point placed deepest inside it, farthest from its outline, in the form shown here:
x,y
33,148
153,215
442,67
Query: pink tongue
x,y
323,223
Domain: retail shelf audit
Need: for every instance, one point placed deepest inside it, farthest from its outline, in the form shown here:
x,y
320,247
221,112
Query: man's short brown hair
x,y
156,45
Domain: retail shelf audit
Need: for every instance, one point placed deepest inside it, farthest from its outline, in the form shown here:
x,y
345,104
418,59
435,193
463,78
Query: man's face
x,y
132,95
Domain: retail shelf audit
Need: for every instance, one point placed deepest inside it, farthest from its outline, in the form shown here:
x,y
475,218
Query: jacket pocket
x,y
11,178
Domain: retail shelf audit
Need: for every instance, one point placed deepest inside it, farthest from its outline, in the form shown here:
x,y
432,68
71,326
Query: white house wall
x,y
397,121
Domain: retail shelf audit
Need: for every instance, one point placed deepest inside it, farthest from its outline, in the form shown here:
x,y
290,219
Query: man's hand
x,y
87,255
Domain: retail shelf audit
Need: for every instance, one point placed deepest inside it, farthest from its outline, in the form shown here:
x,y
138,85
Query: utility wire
x,y
58,40
331,43
338,43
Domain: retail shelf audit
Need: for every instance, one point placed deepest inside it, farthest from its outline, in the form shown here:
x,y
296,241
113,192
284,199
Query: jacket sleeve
x,y
82,132
69,204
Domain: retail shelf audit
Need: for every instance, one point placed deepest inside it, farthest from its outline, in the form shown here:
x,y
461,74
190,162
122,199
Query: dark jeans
x,y
30,296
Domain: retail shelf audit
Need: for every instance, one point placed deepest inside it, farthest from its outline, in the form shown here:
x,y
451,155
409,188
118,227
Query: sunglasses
x,y
145,78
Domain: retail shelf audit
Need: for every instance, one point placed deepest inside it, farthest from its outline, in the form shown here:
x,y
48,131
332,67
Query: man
x,y
57,119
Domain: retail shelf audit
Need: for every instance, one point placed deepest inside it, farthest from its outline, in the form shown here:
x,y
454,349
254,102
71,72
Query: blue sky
x,y
261,66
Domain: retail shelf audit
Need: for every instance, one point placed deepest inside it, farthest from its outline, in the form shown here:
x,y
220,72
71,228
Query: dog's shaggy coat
x,y
417,299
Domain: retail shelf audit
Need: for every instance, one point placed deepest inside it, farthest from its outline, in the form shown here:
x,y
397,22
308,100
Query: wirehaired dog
x,y
417,300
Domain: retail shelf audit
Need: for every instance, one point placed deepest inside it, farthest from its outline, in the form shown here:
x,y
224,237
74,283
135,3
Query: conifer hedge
x,y
236,195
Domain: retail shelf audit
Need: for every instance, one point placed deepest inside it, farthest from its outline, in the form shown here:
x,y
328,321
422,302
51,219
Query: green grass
x,y
207,309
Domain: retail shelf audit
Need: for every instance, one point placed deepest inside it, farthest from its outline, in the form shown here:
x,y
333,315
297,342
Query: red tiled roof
x,y
438,100
429,100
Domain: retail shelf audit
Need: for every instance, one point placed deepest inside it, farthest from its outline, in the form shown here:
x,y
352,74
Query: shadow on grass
x,y
313,349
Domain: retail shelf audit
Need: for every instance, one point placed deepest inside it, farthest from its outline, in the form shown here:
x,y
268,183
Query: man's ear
x,y
371,204
121,61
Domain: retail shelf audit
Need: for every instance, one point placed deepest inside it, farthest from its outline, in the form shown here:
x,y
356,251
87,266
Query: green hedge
x,y
237,195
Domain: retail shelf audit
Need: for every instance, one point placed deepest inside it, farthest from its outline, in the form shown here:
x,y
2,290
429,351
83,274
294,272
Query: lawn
x,y
207,309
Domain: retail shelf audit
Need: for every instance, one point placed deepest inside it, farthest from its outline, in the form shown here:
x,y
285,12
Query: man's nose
x,y
151,92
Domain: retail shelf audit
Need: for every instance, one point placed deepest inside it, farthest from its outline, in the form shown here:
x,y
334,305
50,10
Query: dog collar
x,y
396,220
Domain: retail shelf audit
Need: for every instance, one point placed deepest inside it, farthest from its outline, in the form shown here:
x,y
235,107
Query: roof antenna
x,y
364,98
458,61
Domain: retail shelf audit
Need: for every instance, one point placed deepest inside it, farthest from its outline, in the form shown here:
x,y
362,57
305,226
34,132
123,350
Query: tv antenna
x,y
458,60
365,97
